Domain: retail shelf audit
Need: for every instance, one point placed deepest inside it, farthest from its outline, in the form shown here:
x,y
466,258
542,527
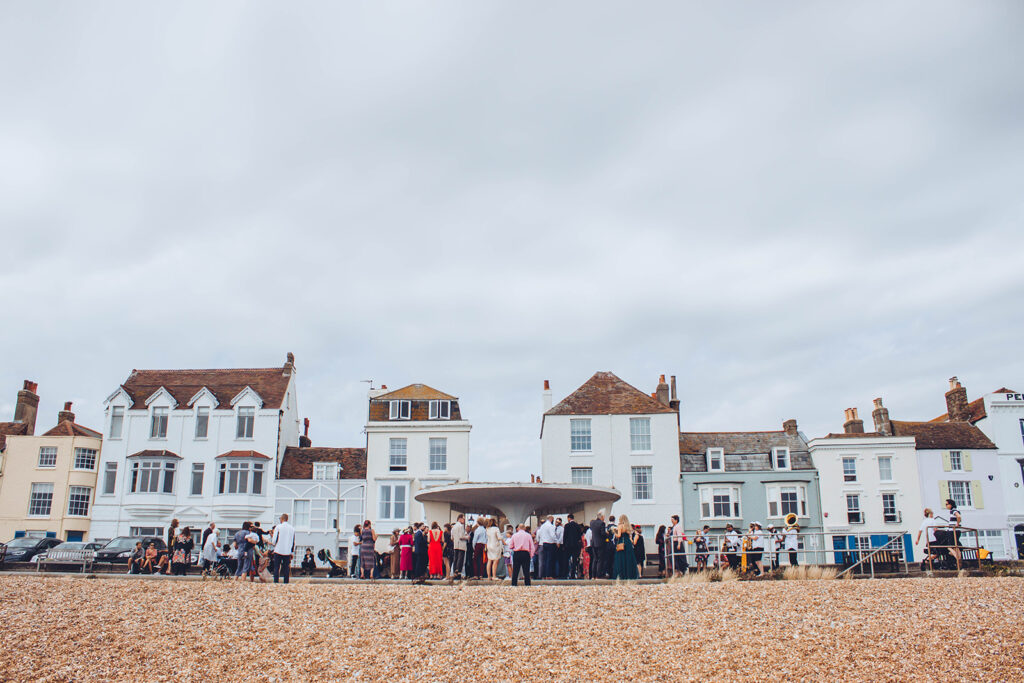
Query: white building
x,y
196,445
415,438
609,433
323,491
870,484
1000,415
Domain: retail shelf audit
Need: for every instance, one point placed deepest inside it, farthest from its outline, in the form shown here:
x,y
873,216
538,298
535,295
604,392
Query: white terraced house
x,y
196,445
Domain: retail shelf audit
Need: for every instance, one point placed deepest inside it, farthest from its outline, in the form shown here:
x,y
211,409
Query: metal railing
x,y
842,548
888,548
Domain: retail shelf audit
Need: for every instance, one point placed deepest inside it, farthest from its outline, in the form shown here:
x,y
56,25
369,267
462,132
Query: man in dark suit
x,y
599,537
419,554
572,543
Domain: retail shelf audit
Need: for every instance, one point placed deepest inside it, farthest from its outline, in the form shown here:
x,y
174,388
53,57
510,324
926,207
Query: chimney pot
x,y
27,406
953,382
661,379
547,385
67,405
853,424
661,394
880,416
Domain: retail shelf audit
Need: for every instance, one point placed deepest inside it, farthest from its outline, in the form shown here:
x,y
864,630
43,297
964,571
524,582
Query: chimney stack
x,y
662,392
853,424
956,402
27,406
547,395
66,414
673,402
881,417
304,440
789,426
289,363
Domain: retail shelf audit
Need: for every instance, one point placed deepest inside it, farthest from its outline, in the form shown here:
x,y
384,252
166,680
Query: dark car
x,y
24,549
121,548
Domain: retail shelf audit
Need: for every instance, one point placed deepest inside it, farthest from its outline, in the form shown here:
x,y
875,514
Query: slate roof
x,y
418,392
975,408
606,394
744,451
298,462
11,429
942,435
69,428
270,383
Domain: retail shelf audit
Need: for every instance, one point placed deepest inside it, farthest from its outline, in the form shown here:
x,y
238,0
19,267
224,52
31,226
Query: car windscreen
x,y
120,543
69,545
22,543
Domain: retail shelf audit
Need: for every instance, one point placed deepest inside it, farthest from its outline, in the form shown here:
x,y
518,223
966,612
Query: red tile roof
x,y
298,462
155,454
11,429
245,454
270,383
69,428
606,394
418,392
940,435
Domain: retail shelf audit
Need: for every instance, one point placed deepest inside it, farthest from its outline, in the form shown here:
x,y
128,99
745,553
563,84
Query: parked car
x,y
120,549
66,545
24,549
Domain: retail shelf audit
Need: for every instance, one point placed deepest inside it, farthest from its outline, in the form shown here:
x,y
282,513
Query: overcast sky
x,y
793,207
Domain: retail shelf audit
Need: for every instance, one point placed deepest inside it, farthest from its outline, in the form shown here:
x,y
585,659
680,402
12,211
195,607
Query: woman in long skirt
x,y
367,553
624,565
435,551
405,553
395,556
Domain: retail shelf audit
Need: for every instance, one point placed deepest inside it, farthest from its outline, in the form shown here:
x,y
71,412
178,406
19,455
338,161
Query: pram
x,y
337,568
219,569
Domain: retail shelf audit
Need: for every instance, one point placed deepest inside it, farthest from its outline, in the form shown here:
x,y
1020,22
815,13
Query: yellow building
x,y
47,482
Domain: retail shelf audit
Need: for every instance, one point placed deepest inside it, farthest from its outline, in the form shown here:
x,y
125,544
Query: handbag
x,y
620,546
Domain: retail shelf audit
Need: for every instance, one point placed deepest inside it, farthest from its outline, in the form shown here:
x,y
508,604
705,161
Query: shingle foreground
x,y
60,629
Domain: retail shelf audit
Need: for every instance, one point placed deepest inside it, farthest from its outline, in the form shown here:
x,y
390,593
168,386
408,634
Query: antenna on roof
x,y
368,381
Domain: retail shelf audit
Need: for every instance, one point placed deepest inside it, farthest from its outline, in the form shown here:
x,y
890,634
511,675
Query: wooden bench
x,y
78,556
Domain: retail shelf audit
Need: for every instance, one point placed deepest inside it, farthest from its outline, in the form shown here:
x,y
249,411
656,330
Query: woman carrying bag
x,y
624,565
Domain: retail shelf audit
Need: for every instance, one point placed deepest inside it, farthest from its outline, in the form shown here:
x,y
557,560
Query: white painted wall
x,y
114,514
612,459
1003,427
320,533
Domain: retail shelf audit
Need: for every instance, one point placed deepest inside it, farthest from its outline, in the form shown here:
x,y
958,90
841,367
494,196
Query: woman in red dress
x,y
434,551
405,547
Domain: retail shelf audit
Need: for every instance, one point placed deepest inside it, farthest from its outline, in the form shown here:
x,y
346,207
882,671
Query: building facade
x,y
870,486
323,491
609,433
48,481
1000,415
416,438
194,445
742,477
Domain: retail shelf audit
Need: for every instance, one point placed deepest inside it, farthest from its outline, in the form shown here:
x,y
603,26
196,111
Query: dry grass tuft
x,y
809,573
691,578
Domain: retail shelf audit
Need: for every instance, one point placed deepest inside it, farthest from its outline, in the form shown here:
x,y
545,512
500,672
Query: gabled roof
x,y
606,394
11,429
976,408
298,462
744,451
416,392
155,454
245,454
69,428
270,383
939,435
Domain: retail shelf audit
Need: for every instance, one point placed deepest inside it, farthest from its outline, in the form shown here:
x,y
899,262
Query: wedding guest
x,y
395,560
354,544
494,549
308,563
624,563
480,549
458,546
405,554
367,552
435,550
639,549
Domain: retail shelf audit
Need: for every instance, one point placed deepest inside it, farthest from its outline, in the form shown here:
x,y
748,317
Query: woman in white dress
x,y
494,549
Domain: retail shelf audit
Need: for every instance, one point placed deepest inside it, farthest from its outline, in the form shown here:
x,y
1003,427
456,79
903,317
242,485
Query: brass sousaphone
x,y
790,519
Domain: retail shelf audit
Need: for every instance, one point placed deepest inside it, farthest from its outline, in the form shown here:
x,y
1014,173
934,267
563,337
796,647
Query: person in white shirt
x,y
547,538
756,547
209,552
678,548
353,550
732,546
928,528
458,546
284,547
791,542
561,560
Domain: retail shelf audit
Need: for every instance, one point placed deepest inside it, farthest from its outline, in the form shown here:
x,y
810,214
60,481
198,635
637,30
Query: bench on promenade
x,y
80,556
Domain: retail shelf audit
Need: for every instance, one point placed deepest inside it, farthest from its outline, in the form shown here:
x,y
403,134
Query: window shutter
x,y
943,490
976,500
946,466
965,457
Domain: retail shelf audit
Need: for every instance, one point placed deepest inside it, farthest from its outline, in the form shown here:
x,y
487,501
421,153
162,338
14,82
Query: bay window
x,y
240,476
152,476
720,502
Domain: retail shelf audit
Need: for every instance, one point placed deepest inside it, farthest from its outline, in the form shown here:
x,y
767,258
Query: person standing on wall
x,y
284,547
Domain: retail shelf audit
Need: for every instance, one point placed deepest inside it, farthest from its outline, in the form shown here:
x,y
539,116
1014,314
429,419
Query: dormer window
x,y
716,460
325,471
158,424
202,422
780,458
246,421
400,410
116,422
440,410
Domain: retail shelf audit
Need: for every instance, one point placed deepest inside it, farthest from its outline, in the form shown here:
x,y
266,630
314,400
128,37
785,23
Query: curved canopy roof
x,y
517,501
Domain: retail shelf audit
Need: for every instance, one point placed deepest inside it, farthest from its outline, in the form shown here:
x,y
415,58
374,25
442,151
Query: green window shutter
x,y
946,466
976,500
943,491
966,457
